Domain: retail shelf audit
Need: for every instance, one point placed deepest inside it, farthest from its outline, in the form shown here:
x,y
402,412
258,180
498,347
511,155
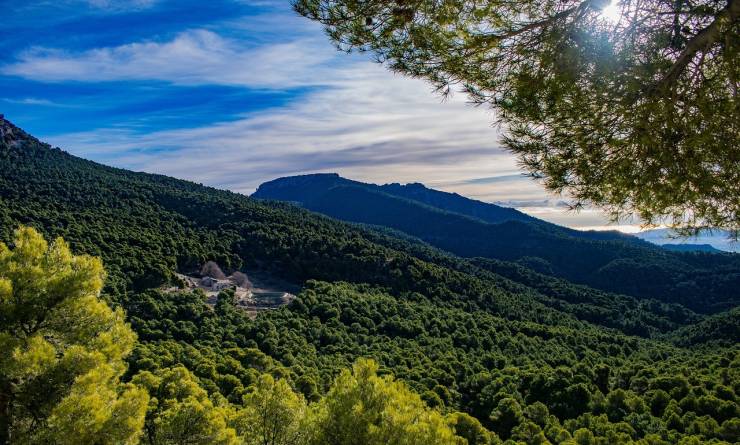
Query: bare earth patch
x,y
263,292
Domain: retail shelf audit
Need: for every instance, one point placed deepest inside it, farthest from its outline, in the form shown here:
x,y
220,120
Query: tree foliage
x,y
181,411
360,408
514,380
63,350
274,414
636,113
363,408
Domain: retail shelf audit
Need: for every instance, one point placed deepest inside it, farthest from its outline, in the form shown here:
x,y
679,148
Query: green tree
x,y
273,414
658,402
632,106
63,350
470,429
363,408
529,433
583,437
601,372
507,416
730,429
180,411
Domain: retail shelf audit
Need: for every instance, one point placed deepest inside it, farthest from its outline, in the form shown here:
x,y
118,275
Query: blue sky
x,y
232,93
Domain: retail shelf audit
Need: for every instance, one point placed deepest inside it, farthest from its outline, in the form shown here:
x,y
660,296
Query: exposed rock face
x,y
12,136
252,300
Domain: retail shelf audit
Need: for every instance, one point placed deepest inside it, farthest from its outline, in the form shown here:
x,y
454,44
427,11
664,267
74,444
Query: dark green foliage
x,y
608,261
505,373
527,355
723,328
634,110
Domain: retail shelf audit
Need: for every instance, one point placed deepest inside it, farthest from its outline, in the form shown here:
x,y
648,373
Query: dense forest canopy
x,y
631,105
60,382
481,349
605,260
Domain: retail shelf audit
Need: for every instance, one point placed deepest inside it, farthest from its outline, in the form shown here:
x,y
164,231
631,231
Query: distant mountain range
x,y
610,261
709,241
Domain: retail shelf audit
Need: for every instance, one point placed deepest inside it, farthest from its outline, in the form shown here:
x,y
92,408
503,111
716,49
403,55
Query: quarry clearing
x,y
264,291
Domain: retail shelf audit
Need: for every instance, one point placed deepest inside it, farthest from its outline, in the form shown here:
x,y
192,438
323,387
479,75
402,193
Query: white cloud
x,y
121,5
33,101
194,57
371,125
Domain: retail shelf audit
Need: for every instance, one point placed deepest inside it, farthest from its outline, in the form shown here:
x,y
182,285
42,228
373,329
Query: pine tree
x,y
629,105
63,350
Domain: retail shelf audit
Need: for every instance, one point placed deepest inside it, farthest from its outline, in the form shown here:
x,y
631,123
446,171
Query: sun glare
x,y
612,12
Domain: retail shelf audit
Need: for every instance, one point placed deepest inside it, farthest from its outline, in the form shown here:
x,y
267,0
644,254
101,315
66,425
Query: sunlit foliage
x,y
63,350
635,109
364,408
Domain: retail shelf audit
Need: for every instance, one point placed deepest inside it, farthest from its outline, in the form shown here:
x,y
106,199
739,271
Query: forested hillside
x,y
612,262
532,358
491,213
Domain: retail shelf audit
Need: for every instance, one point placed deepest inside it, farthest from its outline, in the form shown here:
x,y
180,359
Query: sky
x,y
233,93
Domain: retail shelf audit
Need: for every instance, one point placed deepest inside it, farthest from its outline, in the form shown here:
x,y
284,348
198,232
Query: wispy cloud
x,y
121,5
194,57
369,124
51,11
33,101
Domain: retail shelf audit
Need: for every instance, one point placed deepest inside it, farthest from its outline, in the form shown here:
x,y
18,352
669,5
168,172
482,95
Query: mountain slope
x,y
690,248
617,264
490,213
466,334
146,227
723,328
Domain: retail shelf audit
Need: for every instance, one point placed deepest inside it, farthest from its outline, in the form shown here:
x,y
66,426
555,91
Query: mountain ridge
x,y
174,198
448,201
608,261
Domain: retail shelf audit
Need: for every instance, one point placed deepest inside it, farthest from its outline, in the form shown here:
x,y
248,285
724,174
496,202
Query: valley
x,y
513,349
370,222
